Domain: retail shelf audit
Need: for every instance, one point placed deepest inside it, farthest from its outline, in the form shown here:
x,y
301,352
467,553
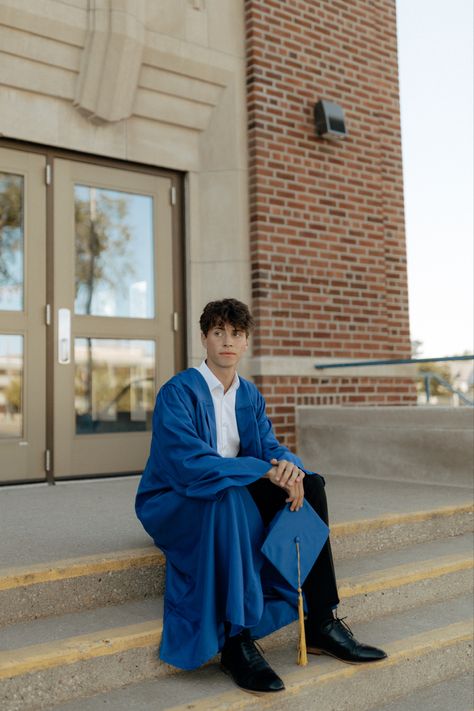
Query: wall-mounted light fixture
x,y
329,119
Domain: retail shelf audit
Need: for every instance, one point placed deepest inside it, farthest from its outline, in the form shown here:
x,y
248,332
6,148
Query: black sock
x,y
245,632
321,615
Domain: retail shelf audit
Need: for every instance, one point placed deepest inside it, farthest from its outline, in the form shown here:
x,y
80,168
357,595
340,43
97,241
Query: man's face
x,y
225,345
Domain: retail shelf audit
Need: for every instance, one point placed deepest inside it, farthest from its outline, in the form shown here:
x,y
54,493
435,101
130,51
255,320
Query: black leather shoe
x,y
334,637
241,659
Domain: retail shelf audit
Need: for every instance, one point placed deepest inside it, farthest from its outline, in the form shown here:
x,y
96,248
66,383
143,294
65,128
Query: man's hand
x,y
284,473
296,496
289,477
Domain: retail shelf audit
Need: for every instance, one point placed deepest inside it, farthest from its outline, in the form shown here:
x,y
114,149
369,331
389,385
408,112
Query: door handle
x,y
64,336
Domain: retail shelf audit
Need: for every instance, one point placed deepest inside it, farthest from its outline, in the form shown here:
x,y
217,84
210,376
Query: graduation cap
x,y
294,541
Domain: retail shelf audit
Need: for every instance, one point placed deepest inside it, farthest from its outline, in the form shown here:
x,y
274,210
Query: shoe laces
x,y
253,649
340,621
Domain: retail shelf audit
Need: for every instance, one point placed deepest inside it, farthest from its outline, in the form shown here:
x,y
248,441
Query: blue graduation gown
x,y
196,507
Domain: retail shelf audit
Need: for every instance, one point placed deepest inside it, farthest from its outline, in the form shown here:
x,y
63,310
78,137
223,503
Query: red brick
x,y
327,236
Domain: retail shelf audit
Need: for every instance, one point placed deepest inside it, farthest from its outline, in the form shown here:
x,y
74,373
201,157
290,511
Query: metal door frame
x,y
178,256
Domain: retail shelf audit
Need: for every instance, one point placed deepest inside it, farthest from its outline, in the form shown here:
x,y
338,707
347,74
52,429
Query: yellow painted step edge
x,y
78,567
109,641
404,574
350,527
74,649
313,675
142,557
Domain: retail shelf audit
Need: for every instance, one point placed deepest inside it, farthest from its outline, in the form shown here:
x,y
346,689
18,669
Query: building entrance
x,y
87,314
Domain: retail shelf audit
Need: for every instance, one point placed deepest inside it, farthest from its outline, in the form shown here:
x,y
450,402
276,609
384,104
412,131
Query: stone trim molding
x,y
106,61
111,59
302,366
122,75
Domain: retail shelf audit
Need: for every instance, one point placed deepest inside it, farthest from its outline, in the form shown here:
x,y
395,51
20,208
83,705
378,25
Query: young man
x,y
215,478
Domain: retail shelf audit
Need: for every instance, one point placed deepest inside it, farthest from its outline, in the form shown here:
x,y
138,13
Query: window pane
x,y
11,242
114,385
11,376
114,253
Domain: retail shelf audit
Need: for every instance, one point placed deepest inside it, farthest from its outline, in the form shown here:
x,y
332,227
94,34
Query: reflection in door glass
x,y
114,385
11,375
114,253
11,242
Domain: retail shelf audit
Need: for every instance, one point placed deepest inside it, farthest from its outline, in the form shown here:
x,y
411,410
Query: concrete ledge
x,y
93,663
78,567
406,586
397,530
58,587
37,675
409,443
105,643
412,663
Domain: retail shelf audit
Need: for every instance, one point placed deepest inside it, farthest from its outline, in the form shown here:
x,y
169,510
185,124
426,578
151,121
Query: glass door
x,y
113,314
22,316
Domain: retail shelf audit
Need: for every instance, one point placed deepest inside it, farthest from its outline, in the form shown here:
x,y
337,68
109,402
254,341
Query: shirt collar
x,y
213,382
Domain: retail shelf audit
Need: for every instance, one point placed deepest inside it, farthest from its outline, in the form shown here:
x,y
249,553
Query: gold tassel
x,y
302,655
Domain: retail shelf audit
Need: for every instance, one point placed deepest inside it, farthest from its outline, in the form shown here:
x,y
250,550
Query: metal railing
x,y
428,377
425,374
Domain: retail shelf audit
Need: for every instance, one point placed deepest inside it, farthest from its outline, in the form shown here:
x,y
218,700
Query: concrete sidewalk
x,y
41,523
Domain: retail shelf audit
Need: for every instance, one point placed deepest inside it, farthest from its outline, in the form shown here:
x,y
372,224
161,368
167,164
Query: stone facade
x,y
158,82
223,92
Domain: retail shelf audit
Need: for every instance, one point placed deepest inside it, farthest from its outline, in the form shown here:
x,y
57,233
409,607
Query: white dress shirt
x,y
228,440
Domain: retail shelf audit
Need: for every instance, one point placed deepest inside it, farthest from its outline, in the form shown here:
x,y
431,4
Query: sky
x,y
435,54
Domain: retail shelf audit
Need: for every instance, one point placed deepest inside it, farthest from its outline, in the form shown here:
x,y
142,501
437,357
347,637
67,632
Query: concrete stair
x,y
82,632
411,443
454,693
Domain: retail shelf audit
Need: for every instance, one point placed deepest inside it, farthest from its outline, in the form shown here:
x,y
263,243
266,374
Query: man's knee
x,y
314,490
314,483
315,494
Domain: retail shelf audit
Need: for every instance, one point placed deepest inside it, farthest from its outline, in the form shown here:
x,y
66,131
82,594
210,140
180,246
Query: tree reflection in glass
x,y
114,385
11,375
11,242
114,253
114,278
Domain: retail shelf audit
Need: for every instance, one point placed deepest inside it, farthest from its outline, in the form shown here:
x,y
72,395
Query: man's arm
x,y
272,449
192,467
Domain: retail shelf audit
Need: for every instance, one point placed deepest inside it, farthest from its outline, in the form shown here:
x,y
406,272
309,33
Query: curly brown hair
x,y
218,313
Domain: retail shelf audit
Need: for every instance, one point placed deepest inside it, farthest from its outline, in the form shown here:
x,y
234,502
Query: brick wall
x,y
326,218
284,393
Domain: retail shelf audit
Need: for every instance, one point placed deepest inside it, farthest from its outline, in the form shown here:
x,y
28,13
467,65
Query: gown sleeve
x,y
272,449
193,468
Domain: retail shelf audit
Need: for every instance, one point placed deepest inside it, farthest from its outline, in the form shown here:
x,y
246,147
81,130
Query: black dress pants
x,y
320,586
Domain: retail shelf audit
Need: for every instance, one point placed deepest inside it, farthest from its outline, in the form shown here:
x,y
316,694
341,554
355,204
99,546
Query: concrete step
x,y
456,694
35,591
79,652
411,443
392,581
69,631
38,590
96,517
425,646
398,580
395,530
